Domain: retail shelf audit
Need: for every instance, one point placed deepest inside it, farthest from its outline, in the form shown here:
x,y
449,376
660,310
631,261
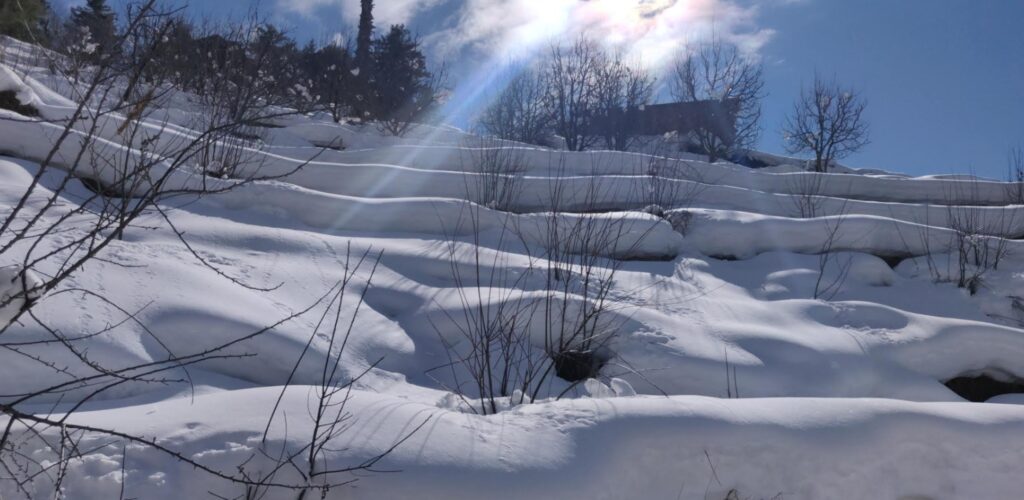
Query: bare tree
x,y
572,75
622,90
520,112
719,73
828,121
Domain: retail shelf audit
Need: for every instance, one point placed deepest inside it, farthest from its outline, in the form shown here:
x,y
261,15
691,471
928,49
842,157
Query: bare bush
x,y
979,242
827,289
523,323
805,193
495,175
492,362
828,121
667,183
314,460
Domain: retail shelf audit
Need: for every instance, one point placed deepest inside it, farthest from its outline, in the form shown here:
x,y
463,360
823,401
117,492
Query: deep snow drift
x,y
750,349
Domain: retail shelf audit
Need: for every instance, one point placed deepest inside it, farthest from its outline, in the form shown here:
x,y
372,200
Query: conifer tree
x,y
403,88
22,19
97,19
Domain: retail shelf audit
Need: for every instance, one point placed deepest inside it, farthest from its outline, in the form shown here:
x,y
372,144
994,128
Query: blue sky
x,y
944,79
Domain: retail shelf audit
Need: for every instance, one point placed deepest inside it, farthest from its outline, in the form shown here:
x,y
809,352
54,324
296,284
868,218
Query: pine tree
x,y
97,19
361,90
403,88
365,37
22,19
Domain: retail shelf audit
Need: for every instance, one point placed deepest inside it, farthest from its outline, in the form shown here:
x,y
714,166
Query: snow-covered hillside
x,y
762,333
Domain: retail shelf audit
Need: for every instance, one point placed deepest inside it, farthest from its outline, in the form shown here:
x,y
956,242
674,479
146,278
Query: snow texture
x,y
726,372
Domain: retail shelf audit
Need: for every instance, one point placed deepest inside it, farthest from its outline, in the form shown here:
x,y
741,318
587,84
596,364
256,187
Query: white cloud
x,y
649,30
385,12
652,31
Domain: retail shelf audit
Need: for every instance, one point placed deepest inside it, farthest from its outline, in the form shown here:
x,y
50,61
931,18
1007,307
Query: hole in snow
x,y
893,260
984,386
101,188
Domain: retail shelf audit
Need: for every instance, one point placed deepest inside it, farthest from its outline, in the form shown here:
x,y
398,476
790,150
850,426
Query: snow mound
x,y
767,331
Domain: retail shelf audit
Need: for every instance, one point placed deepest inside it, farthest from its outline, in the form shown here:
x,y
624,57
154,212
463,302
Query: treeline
x,y
590,96
384,78
585,96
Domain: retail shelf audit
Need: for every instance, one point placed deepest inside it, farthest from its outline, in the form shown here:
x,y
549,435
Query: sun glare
x,y
647,30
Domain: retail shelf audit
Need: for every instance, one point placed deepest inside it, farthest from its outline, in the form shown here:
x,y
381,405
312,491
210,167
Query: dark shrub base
x,y
577,366
9,100
100,188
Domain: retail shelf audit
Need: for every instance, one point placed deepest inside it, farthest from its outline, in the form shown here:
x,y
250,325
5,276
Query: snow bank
x,y
742,235
809,394
653,447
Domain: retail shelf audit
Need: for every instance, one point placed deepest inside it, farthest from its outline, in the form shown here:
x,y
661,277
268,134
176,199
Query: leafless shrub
x,y
494,178
491,356
519,326
667,183
827,289
318,471
980,243
805,193
924,241
828,121
578,279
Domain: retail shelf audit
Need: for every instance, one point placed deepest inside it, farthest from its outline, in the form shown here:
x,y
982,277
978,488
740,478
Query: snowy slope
x,y
726,372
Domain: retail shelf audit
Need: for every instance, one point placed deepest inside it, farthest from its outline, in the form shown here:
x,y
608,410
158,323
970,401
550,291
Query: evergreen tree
x,y
23,19
97,19
364,40
403,88
363,64
329,70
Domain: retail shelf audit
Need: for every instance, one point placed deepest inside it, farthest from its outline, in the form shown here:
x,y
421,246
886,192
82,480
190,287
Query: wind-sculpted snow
x,y
638,447
773,332
743,235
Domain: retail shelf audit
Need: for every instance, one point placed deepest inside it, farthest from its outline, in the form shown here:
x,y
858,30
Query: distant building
x,y
680,117
685,117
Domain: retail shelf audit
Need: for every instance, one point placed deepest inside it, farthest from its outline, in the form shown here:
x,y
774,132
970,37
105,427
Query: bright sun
x,y
645,29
